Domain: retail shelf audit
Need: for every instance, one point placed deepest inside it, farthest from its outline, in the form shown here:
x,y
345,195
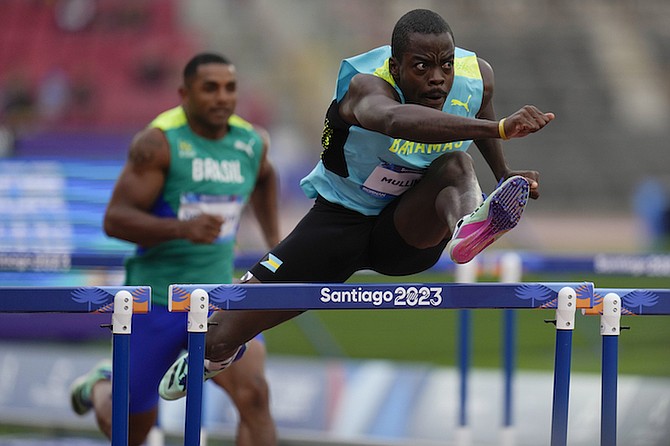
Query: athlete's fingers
x,y
534,190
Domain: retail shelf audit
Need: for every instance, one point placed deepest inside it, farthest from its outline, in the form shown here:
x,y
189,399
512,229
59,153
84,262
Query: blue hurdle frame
x,y
121,329
197,329
610,328
565,324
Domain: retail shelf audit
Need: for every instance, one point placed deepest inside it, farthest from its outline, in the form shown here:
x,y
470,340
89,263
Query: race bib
x,y
389,181
229,207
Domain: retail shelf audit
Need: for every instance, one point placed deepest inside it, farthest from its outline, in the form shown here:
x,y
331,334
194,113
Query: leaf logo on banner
x,y
224,295
639,299
93,296
533,292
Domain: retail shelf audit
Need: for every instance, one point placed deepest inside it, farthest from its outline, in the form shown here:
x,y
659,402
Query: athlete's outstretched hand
x,y
526,121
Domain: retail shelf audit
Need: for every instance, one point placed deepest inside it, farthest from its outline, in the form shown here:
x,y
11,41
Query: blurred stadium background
x,y
79,77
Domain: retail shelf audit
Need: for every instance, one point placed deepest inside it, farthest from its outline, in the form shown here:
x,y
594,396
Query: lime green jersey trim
x,y
385,73
236,121
467,66
170,119
175,117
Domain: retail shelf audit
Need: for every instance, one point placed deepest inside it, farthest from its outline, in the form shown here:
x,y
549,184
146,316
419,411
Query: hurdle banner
x,y
90,299
350,296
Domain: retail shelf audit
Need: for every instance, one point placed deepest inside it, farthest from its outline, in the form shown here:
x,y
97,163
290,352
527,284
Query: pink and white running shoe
x,y
499,213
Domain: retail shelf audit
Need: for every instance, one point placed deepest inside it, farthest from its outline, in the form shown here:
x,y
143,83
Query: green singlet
x,y
205,176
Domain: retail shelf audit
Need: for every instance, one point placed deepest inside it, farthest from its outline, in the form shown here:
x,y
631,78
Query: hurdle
x,y
122,302
565,298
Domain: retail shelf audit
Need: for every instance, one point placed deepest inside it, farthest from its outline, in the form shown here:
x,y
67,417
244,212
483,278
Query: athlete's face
x,y
425,72
211,96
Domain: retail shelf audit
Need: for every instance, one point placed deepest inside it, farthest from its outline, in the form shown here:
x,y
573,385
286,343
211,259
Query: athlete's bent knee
x,y
253,396
452,167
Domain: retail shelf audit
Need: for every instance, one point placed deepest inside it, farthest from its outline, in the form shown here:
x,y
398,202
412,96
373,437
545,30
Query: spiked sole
x,y
503,210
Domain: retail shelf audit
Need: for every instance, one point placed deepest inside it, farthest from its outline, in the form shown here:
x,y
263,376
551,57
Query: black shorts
x,y
332,242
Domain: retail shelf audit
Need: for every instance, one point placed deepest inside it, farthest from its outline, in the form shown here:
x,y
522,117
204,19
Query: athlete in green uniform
x,y
180,196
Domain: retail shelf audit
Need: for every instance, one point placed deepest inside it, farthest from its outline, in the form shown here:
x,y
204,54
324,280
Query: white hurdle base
x,y
156,437
463,436
508,436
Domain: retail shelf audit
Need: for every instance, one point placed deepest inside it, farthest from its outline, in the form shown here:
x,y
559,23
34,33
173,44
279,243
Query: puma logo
x,y
245,147
462,104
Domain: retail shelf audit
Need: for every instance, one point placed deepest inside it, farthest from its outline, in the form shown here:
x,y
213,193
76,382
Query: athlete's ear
x,y
393,67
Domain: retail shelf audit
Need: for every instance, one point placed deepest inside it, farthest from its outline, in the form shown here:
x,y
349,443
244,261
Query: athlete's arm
x,y
264,196
373,104
491,149
139,185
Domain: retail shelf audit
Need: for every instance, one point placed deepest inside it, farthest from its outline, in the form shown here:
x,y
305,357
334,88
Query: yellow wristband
x,y
501,128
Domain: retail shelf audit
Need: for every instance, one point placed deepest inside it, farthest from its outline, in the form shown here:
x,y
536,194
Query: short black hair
x,y
191,67
421,21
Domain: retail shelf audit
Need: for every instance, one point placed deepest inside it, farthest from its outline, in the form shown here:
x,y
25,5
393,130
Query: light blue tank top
x,y
379,167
